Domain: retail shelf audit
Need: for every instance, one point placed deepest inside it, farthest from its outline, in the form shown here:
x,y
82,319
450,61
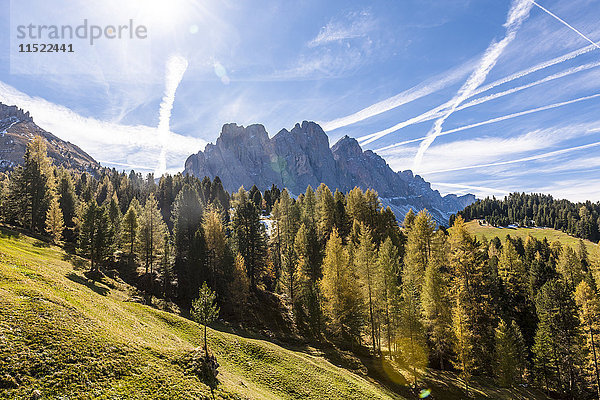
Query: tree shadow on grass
x,y
103,291
41,244
78,262
7,233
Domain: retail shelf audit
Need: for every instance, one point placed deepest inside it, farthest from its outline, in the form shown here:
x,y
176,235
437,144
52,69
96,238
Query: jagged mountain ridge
x,y
17,129
294,159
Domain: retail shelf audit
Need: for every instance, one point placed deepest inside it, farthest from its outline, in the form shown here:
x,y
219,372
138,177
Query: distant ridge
x,y
17,129
300,157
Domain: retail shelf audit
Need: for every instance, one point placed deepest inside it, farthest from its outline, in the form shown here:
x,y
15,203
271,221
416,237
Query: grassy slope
x,y
552,235
67,336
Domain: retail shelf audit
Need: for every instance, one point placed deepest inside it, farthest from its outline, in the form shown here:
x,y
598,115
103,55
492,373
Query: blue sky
x,y
503,92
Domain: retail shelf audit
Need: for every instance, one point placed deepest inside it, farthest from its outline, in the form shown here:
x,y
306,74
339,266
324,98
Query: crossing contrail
x,y
421,90
518,12
470,187
491,121
434,113
176,66
519,160
565,23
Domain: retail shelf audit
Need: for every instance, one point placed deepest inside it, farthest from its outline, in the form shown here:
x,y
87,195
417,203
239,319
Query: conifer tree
x,y
95,235
436,300
150,236
249,235
288,222
129,228
309,273
342,299
366,264
240,284
418,248
558,341
166,266
325,212
509,353
569,266
54,221
205,310
187,220
32,185
387,260
588,305
67,200
216,246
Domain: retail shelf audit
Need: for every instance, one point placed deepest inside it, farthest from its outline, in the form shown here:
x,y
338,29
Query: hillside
x,y
302,156
17,129
62,334
552,235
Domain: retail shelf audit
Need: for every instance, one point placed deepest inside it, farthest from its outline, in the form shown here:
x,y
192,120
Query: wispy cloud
x,y
416,92
108,141
494,120
517,14
492,150
519,160
565,23
436,112
469,187
353,25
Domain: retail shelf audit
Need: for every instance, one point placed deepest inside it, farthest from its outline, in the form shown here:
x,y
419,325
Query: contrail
x,y
421,90
493,120
566,24
517,14
519,160
470,187
437,112
176,66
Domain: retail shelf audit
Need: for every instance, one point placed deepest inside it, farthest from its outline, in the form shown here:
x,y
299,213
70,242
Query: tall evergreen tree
x,y
216,248
366,264
95,236
588,305
342,299
510,354
387,260
54,221
67,200
150,236
249,235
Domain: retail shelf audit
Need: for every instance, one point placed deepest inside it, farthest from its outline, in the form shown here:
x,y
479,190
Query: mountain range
x,y
17,129
296,158
246,156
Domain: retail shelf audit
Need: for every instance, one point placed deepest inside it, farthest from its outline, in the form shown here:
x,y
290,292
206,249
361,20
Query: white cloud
x,y
493,120
354,25
437,111
108,141
491,151
416,92
518,13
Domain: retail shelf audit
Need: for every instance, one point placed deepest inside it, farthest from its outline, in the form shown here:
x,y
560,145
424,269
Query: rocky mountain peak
x,y
13,114
233,134
17,129
296,158
346,147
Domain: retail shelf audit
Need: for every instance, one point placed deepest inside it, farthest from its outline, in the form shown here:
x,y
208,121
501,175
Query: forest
x,y
522,312
578,219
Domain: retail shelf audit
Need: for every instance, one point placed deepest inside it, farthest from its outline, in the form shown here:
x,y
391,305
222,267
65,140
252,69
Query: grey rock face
x,y
246,156
17,129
